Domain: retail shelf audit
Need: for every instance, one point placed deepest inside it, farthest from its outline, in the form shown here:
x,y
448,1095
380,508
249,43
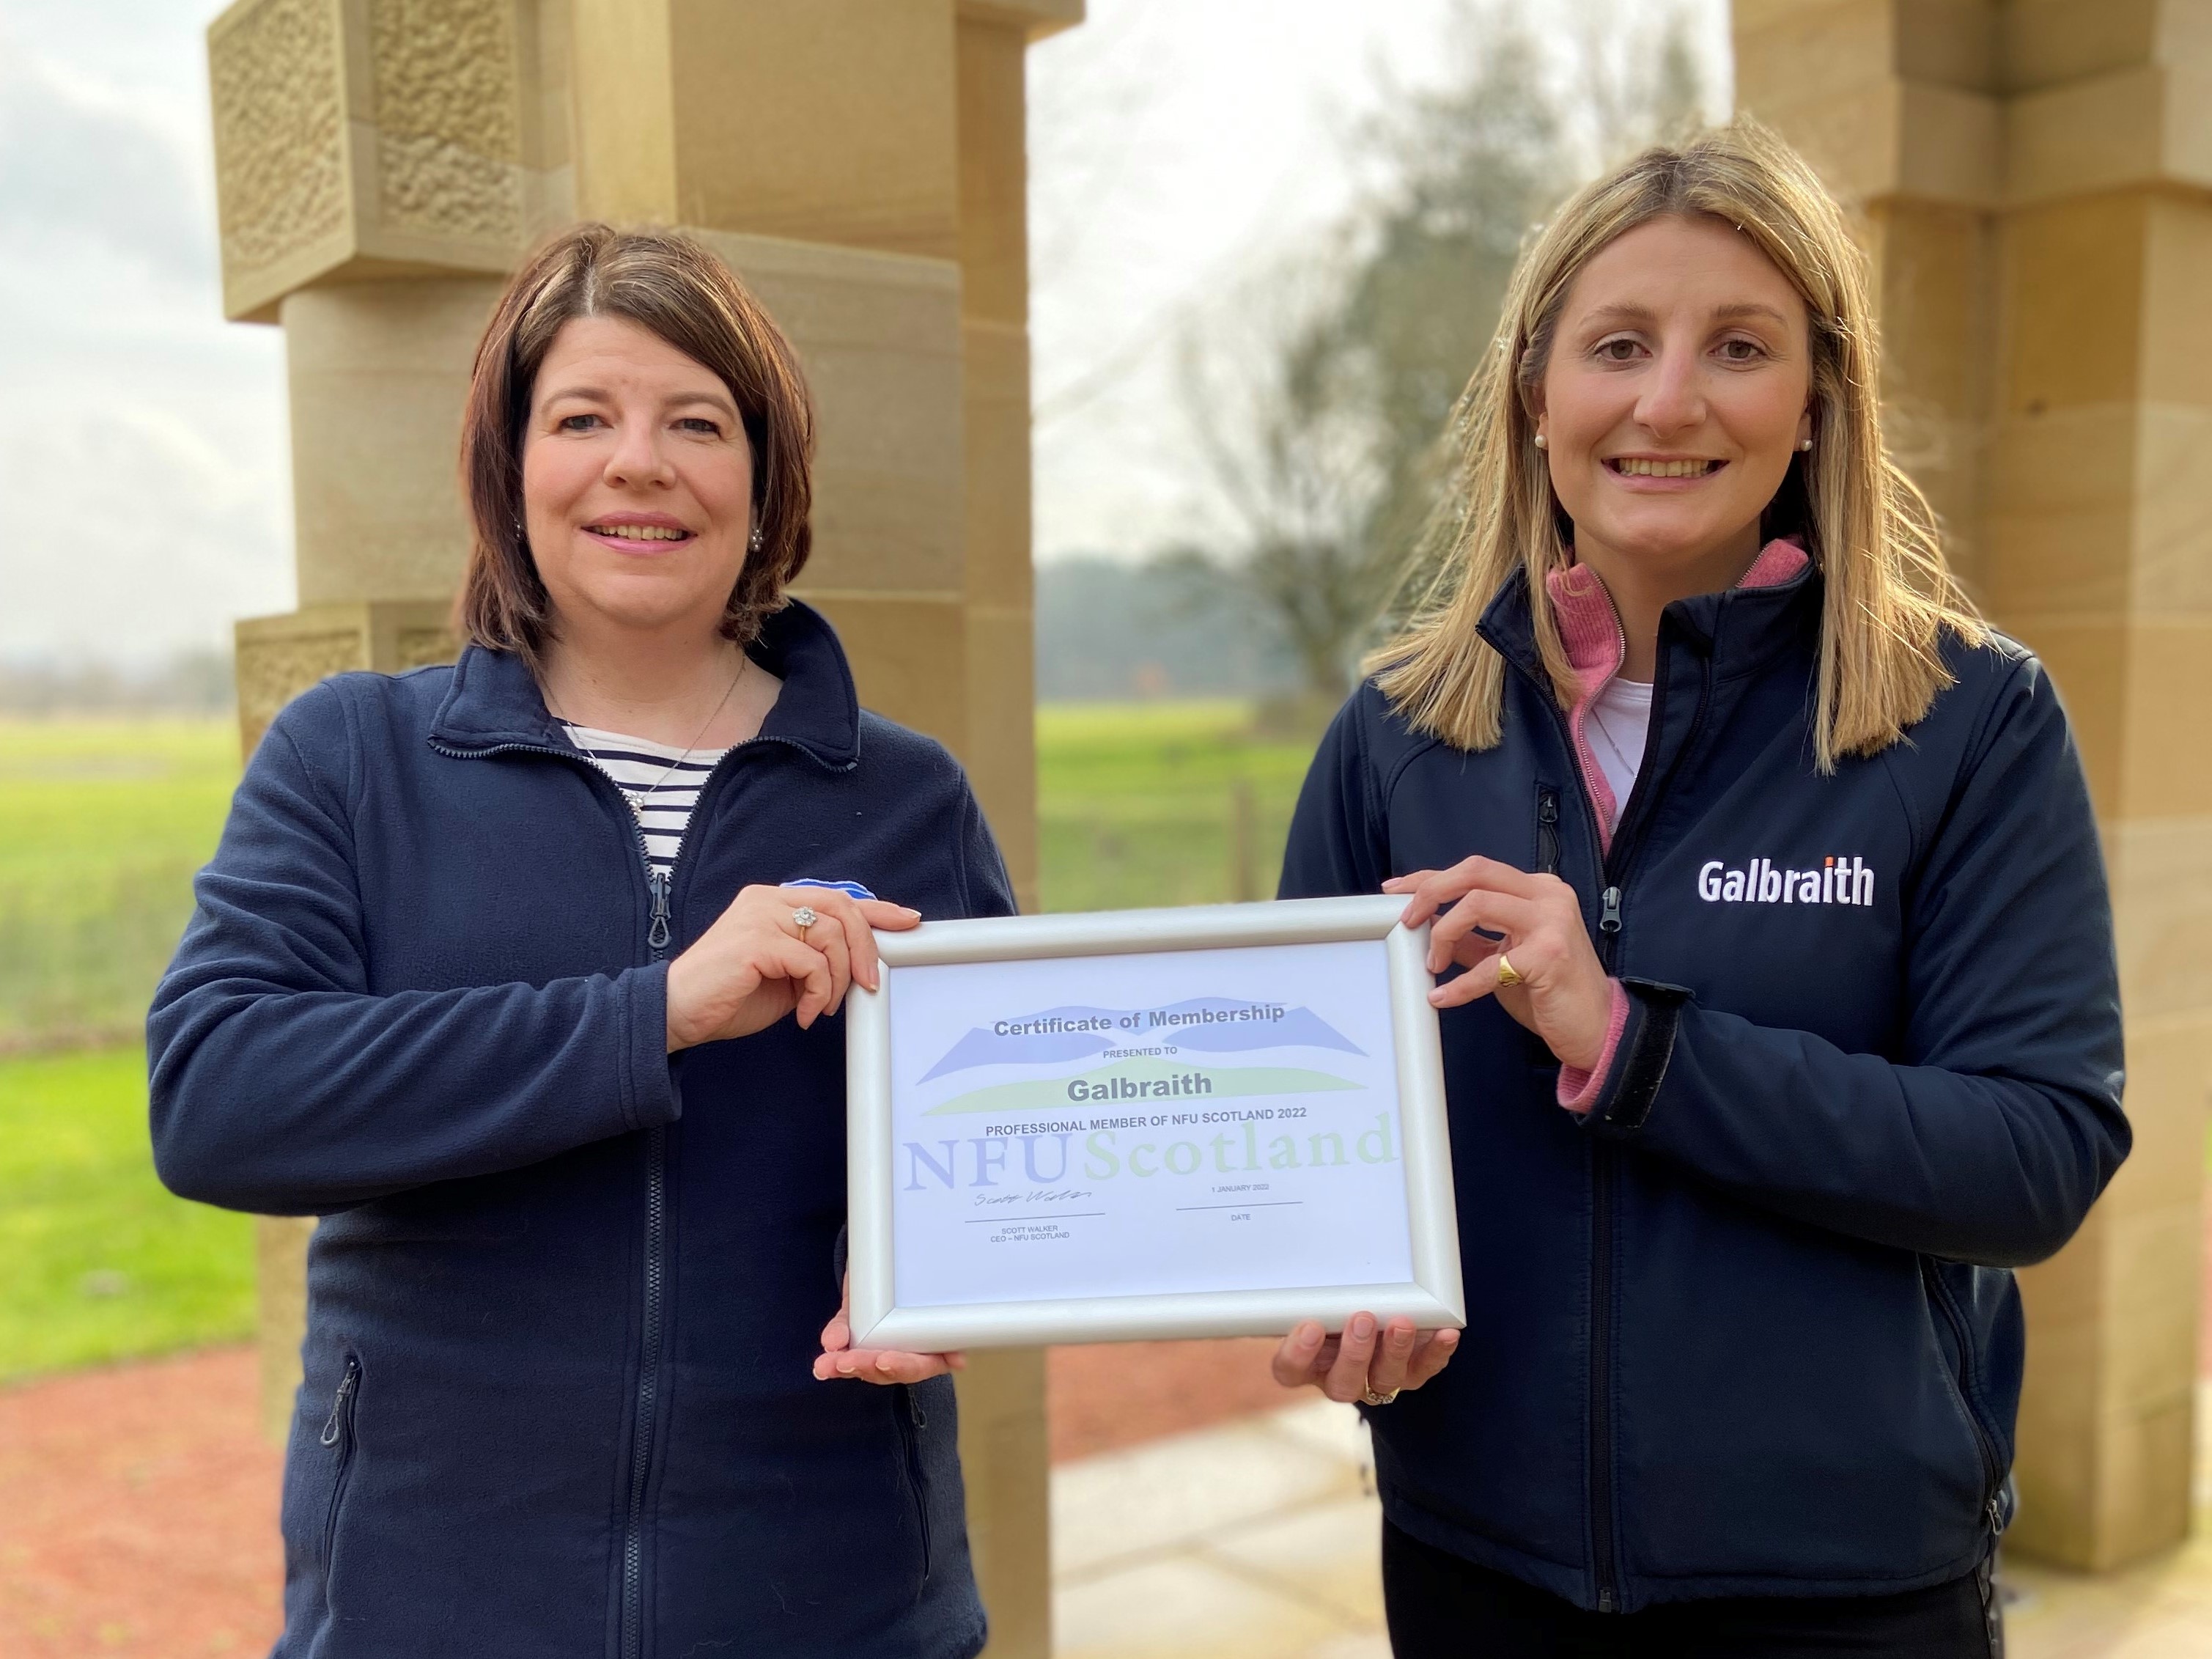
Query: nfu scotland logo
x,y
1837,881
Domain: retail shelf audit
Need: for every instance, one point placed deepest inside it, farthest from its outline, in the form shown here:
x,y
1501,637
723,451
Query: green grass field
x,y
102,1263
1137,803
102,824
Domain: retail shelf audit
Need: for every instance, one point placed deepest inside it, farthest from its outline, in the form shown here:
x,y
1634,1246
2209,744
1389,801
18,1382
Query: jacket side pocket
x,y
1966,1390
912,1420
337,1438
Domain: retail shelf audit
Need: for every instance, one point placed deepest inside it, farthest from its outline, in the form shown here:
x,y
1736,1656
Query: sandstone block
x,y
360,138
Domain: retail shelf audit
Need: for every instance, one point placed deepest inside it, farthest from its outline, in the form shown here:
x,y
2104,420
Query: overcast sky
x,y
1175,144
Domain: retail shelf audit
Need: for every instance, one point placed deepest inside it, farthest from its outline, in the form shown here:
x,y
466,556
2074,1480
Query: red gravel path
x,y
1105,1396
138,1513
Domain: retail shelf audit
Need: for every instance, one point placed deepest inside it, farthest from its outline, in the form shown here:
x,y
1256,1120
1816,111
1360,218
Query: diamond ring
x,y
804,918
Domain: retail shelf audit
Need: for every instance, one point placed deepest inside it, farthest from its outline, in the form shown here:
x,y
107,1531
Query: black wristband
x,y
1658,1010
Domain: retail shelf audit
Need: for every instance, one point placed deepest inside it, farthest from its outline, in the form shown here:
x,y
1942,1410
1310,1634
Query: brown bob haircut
x,y
673,288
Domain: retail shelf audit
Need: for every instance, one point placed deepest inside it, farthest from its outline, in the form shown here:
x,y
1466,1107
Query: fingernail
x,y
1447,1339
1363,1325
1309,1335
1401,1338
907,909
1437,997
845,1367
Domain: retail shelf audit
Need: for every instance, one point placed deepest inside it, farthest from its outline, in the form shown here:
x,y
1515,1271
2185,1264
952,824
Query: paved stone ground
x,y
1254,1538
1259,1539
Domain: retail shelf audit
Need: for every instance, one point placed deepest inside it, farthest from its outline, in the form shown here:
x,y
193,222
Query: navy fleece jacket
x,y
1746,1328
564,1301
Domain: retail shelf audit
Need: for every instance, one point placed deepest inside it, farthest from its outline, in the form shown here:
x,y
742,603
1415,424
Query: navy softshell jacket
x,y
564,1301
1748,1328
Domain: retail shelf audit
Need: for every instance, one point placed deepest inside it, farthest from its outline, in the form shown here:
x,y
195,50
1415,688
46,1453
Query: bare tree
x,y
1296,455
1319,394
1640,76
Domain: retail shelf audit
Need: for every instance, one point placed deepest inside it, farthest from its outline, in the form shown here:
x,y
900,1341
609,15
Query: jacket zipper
x,y
1617,862
658,935
1601,1161
910,1427
339,1431
657,883
1547,831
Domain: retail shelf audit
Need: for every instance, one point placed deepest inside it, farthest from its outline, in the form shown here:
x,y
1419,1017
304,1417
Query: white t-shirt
x,y
1619,720
661,783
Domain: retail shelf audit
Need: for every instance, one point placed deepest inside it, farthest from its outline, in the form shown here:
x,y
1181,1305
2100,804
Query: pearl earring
x,y
753,542
1804,446
1542,443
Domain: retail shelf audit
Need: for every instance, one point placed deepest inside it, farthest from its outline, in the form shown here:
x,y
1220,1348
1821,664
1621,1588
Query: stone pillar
x,y
381,164
2035,180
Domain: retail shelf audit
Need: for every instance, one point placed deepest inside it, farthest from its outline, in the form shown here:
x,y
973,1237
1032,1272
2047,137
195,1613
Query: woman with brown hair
x,y
1781,1019
524,975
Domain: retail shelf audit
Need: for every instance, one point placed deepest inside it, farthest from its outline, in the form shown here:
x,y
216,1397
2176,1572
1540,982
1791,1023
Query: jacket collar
x,y
493,700
1590,627
1739,628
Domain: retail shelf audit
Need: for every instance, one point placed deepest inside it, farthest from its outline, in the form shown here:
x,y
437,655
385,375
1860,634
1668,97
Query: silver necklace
x,y
638,798
1597,720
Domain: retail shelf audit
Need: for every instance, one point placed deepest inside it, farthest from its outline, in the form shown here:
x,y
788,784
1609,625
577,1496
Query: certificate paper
x,y
1145,1124
1214,1120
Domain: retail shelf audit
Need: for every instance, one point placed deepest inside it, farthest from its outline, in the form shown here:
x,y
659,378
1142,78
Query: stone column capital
x,y
358,138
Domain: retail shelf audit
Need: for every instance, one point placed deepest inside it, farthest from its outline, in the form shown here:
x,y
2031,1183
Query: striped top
x,y
660,782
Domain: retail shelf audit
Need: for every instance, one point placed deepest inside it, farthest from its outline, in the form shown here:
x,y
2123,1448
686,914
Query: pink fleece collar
x,y
1590,627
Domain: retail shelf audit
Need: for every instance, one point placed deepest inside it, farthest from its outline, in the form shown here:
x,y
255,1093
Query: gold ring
x,y
1371,1398
1506,975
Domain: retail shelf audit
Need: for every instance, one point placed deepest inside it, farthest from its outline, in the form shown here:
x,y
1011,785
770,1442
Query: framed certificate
x,y
1210,1121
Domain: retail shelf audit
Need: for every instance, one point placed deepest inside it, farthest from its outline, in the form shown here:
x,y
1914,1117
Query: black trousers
x,y
1441,1607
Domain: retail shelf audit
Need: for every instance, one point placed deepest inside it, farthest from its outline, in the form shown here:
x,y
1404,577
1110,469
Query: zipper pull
x,y
657,879
920,1419
1996,1517
1548,832
345,1392
1610,921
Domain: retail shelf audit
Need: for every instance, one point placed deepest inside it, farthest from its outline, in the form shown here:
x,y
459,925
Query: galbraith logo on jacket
x,y
1837,881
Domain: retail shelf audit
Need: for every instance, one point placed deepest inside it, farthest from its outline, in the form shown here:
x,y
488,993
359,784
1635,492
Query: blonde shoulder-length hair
x,y
1890,596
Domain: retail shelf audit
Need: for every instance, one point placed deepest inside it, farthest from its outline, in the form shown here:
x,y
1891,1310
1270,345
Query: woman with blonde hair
x,y
1781,1016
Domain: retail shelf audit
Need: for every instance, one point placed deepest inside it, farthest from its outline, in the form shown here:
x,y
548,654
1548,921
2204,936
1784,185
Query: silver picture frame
x,y
1432,1297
